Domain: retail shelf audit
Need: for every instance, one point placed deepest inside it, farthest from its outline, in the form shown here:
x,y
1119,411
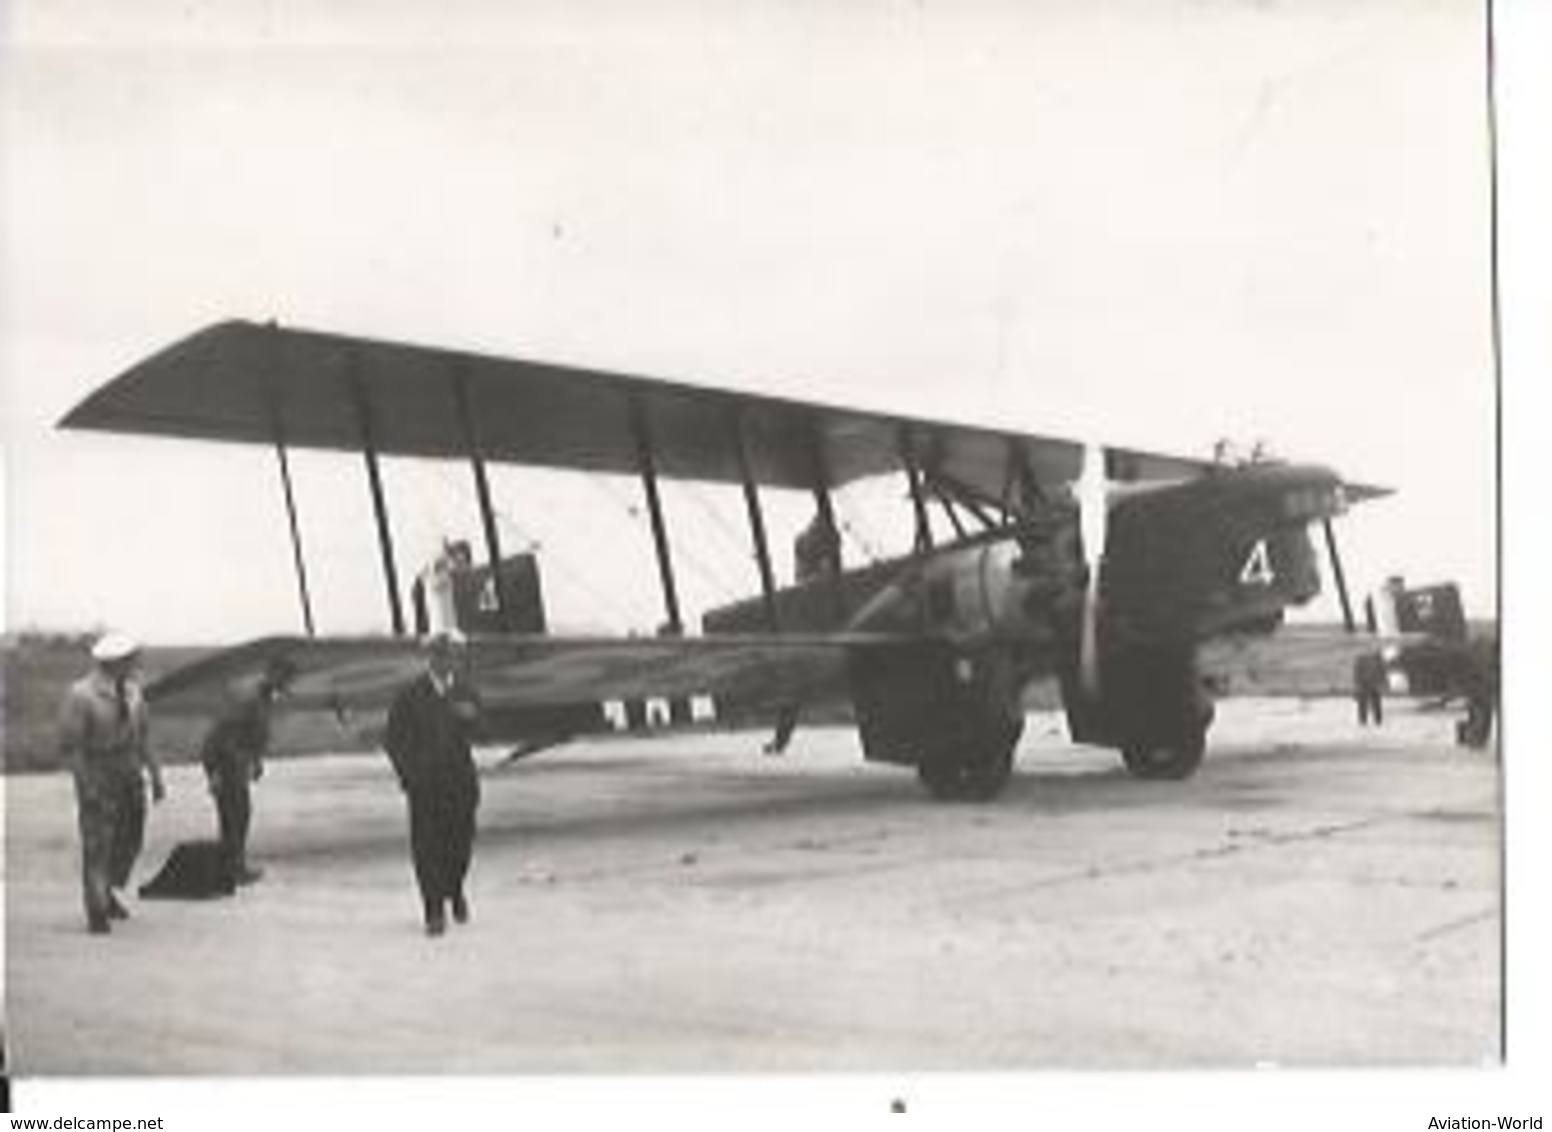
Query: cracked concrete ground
x,y
1316,896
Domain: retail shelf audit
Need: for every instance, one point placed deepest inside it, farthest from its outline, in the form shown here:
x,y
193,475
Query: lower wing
x,y
542,671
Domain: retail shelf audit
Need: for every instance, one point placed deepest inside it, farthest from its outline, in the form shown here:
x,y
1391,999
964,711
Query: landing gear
x,y
1155,711
1166,761
975,770
955,717
1170,746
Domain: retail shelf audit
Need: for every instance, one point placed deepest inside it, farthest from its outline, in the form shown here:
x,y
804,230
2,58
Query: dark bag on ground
x,y
195,870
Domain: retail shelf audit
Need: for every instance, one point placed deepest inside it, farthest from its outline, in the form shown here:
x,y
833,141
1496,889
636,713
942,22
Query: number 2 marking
x,y
1257,570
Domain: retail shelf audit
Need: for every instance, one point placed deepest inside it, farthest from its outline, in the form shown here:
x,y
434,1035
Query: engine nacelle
x,y
1230,550
1225,551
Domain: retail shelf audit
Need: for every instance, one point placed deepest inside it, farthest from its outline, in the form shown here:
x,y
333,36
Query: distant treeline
x,y
40,666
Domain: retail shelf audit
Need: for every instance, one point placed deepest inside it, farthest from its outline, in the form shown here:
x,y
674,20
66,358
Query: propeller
x,y
1093,525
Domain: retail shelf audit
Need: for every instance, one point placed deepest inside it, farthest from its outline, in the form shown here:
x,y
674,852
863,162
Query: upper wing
x,y
537,671
240,381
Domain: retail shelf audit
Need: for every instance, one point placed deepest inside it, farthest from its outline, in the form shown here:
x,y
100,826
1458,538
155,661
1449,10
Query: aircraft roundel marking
x,y
1257,570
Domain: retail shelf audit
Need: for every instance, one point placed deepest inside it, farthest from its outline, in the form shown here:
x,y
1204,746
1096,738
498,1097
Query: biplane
x,y
1434,653
1104,569
1440,656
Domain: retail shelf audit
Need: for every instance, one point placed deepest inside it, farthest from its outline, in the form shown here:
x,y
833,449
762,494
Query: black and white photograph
x,y
900,553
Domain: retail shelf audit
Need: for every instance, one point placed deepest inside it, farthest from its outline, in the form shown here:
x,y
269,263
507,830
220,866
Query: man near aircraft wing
x,y
430,728
816,553
233,756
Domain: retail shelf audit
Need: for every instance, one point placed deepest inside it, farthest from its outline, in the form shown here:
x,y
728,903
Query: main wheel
x,y
941,778
1169,731
976,771
1165,761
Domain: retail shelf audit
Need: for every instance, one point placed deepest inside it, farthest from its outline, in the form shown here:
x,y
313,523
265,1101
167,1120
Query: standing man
x,y
816,553
438,592
430,727
233,756
1481,687
102,738
1369,687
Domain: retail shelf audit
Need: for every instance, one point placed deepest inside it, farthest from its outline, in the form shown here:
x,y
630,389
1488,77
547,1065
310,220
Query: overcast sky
x,y
1148,223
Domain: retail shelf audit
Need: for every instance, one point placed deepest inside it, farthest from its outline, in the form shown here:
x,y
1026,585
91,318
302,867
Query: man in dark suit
x,y
430,726
1369,687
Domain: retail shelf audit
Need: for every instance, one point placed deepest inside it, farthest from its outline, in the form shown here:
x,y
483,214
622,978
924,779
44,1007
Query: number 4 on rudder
x,y
1257,570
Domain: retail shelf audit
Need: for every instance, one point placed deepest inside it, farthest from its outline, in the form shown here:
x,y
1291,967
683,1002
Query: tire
x,y
941,778
983,782
981,777
1170,733
1165,762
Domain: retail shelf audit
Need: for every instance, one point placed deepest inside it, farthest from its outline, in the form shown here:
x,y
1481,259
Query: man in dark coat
x,y
1369,688
430,727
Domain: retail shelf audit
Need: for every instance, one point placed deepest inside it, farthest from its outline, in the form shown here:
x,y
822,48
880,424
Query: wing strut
x,y
646,462
1031,495
379,506
913,479
277,430
953,516
466,418
824,508
954,495
762,551
679,710
1339,577
296,532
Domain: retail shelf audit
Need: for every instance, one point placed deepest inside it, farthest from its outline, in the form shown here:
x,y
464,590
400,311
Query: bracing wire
x,y
719,522
711,577
849,524
698,567
568,573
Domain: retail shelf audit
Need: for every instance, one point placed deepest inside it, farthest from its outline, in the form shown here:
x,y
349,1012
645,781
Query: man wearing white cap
x,y
102,736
